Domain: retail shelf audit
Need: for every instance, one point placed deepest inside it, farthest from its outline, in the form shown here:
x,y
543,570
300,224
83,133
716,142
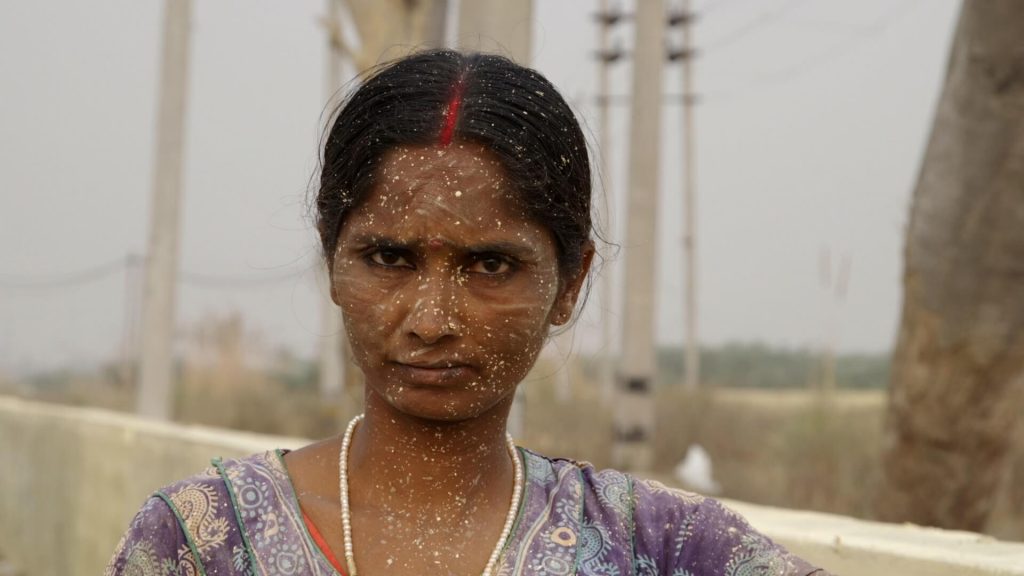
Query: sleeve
x,y
153,544
726,543
684,534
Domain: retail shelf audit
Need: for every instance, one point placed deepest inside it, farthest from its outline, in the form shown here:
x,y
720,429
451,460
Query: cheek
x,y
368,309
510,350
364,331
514,330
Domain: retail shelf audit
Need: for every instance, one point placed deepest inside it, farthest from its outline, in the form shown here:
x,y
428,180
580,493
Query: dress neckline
x,y
311,533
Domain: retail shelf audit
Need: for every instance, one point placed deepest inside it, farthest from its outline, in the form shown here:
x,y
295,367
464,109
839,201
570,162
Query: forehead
x,y
459,168
428,189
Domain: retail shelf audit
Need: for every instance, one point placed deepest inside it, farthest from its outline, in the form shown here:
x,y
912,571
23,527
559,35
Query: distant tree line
x,y
738,365
754,365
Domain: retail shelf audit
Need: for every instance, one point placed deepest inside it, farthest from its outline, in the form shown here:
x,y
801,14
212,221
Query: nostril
x,y
430,323
454,328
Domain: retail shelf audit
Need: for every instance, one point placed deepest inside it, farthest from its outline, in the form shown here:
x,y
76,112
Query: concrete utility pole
x,y
634,413
332,341
505,26
685,18
835,296
156,368
130,320
392,28
607,56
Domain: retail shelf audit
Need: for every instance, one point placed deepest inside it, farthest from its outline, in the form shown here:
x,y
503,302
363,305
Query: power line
x,y
712,5
766,17
68,279
111,267
821,58
870,32
226,281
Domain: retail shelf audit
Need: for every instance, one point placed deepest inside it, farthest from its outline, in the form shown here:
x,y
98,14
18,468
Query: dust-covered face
x,y
446,286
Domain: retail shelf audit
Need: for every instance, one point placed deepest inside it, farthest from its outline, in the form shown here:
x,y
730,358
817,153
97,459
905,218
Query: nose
x,y
434,315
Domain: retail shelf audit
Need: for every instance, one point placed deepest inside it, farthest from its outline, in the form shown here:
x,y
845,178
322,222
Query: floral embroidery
x,y
197,504
142,560
756,556
690,498
613,490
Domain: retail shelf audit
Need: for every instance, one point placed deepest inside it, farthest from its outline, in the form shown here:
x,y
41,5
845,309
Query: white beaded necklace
x,y
346,516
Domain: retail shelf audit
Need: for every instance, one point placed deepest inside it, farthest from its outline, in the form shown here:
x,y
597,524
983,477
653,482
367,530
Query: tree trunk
x,y
957,386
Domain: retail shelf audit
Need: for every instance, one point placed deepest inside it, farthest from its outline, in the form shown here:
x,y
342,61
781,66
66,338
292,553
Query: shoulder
x,y
196,494
605,494
702,536
204,503
153,544
188,524
610,492
668,530
210,505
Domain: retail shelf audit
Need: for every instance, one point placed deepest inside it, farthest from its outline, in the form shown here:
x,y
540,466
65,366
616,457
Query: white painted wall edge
x,y
839,539
842,544
245,442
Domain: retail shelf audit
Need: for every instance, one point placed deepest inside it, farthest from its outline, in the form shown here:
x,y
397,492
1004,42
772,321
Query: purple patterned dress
x,y
242,517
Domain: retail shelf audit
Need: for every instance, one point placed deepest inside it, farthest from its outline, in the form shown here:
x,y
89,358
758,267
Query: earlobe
x,y
560,318
568,298
562,312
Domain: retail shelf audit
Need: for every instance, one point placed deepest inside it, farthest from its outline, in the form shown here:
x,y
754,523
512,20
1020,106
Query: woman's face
x,y
446,286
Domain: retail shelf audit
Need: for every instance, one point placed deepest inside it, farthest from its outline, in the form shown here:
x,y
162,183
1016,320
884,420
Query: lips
x,y
439,373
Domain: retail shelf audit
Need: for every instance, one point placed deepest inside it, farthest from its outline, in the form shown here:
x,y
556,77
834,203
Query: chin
x,y
444,405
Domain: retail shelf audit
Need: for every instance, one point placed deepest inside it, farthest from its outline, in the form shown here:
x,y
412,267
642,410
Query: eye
x,y
388,259
490,264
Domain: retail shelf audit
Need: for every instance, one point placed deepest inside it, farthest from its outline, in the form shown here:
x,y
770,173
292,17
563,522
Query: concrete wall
x,y
71,479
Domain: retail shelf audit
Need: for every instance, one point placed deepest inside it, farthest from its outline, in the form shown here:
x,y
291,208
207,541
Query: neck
x,y
397,459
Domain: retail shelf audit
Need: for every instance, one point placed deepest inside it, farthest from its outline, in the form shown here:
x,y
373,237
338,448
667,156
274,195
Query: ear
x,y
569,293
332,282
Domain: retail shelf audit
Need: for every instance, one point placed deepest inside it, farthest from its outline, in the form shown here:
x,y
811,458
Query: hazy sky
x,y
813,121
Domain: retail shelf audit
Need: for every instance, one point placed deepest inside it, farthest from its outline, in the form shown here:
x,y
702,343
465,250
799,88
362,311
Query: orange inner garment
x,y
322,544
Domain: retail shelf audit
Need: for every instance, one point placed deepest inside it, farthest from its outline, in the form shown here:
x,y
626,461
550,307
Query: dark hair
x,y
436,96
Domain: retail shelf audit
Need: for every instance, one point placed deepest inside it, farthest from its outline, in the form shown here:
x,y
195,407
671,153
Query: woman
x,y
454,212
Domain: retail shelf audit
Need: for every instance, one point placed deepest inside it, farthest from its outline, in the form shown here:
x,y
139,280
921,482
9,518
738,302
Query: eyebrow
x,y
514,249
520,251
